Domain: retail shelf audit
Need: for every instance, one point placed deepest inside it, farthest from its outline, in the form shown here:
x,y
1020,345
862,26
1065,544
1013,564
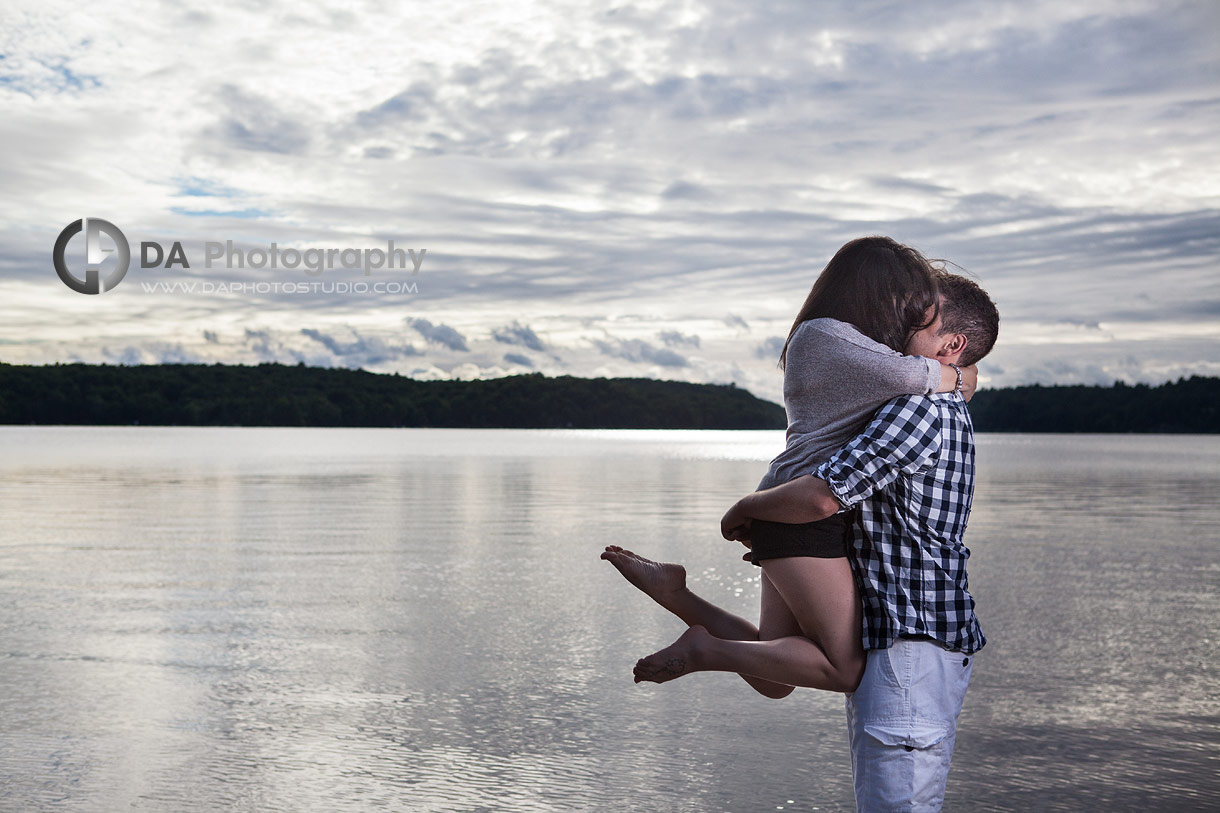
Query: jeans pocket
x,y
910,734
894,667
952,680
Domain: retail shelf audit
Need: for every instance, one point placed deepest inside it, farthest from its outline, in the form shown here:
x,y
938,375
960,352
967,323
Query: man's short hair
x,y
965,308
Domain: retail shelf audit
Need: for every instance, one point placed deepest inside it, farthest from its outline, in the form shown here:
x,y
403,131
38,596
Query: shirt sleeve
x,y
846,354
895,374
903,437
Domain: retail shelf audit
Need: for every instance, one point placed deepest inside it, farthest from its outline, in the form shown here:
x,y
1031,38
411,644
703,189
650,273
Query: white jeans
x,y
902,723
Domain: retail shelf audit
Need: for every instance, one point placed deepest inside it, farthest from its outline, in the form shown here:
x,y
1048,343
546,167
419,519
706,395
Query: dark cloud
x,y
151,353
128,356
439,334
363,351
681,190
408,106
517,333
906,185
518,359
210,337
265,346
674,338
638,350
252,122
770,348
733,320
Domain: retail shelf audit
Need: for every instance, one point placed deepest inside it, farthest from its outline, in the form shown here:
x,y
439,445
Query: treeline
x,y
279,395
1189,405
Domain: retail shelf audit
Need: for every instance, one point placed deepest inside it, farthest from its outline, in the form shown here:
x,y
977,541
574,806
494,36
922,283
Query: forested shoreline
x,y
1186,406
280,395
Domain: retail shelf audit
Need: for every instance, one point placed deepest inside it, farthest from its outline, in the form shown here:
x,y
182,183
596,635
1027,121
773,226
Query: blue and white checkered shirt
x,y
911,472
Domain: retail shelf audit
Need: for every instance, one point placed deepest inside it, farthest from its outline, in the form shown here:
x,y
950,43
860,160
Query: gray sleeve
x,y
894,375
886,373
927,376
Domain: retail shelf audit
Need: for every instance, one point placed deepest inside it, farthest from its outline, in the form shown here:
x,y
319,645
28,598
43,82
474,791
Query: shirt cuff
x,y
933,375
837,489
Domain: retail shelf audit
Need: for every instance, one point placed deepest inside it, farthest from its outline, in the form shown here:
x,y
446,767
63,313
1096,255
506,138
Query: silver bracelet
x,y
958,370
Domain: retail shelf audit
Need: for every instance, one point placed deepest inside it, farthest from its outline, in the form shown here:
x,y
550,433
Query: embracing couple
x,y
857,525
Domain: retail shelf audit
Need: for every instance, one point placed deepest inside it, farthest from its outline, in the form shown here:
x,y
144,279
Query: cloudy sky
x,y
645,189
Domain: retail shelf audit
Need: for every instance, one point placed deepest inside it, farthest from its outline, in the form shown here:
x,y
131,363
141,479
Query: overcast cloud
x,y
634,190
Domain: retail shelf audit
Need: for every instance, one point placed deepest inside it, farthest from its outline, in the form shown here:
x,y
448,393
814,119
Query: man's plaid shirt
x,y
911,473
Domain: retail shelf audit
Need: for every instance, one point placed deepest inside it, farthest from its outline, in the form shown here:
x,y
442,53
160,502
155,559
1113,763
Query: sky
x,y
644,189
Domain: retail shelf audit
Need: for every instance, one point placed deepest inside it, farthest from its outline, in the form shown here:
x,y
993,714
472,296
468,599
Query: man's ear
x,y
954,344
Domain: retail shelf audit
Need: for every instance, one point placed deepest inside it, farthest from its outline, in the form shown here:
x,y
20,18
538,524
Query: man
x,y
911,475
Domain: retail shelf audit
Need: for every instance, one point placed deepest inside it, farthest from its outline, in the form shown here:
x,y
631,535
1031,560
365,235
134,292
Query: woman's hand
x,y
735,524
970,378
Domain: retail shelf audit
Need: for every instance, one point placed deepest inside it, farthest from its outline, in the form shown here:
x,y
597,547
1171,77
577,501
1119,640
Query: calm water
x,y
279,619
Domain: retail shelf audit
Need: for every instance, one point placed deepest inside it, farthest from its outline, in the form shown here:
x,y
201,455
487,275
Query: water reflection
x,y
325,620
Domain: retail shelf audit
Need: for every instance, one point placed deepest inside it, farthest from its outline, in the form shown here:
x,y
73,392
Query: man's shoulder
x,y
953,409
911,421
938,406
923,408
926,420
953,424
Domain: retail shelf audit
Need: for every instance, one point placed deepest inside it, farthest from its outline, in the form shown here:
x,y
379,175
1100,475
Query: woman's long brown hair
x,y
878,285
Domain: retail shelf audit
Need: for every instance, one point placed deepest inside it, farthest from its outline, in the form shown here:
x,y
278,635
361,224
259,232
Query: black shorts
x,y
827,538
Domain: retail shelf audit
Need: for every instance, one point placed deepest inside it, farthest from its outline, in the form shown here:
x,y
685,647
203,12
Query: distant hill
x,y
1189,405
279,395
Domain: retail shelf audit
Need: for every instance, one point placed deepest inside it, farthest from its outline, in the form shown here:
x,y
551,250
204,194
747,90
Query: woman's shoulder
x,y
825,327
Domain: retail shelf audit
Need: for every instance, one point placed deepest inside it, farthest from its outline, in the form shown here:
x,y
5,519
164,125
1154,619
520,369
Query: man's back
x,y
911,473
909,553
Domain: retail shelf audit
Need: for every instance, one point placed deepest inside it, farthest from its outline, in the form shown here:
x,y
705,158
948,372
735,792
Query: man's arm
x,y
903,437
804,499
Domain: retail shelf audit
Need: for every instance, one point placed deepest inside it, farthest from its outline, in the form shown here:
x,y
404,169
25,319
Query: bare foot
x,y
656,579
680,658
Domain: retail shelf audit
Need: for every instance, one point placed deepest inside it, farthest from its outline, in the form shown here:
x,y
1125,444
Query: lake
x,y
417,619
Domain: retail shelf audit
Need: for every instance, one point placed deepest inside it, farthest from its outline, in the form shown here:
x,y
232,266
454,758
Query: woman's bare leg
x,y
821,595
775,620
665,583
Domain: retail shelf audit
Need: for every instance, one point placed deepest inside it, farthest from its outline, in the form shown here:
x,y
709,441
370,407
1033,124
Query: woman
x,y
842,360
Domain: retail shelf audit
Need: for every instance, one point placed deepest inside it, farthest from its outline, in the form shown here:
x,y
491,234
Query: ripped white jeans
x,y
902,723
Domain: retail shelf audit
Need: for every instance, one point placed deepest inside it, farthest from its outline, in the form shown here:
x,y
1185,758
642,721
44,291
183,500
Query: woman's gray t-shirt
x,y
835,378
